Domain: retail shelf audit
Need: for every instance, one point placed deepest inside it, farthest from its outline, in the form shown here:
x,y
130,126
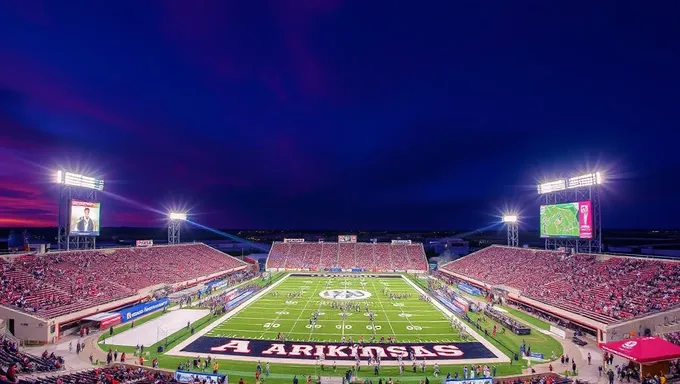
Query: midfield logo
x,y
345,294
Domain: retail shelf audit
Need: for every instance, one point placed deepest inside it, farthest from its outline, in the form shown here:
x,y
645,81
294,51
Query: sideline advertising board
x,y
131,313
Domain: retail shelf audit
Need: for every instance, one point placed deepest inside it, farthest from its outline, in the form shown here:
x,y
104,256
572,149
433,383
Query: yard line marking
x,y
382,306
318,309
303,310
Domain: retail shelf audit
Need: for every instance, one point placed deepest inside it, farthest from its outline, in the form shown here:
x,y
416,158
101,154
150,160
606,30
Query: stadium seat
x,y
367,256
602,287
59,283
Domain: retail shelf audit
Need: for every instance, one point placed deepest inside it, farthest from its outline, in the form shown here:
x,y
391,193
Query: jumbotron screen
x,y
567,220
84,219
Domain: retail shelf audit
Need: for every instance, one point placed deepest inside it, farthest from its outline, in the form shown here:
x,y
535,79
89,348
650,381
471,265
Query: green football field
x,y
560,220
289,307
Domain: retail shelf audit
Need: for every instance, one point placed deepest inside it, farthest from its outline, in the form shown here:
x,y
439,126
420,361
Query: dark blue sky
x,y
339,114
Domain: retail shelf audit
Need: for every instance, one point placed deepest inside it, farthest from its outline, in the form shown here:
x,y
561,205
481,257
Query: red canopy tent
x,y
643,350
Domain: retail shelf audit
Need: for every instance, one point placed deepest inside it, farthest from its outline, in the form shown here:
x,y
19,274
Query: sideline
x,y
500,356
176,350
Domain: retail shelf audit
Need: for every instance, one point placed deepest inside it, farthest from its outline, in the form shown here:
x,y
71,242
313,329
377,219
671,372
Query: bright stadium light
x,y
510,218
178,216
77,180
585,180
552,186
512,225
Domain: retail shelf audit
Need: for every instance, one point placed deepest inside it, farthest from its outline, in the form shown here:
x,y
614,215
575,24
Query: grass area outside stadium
x,y
252,322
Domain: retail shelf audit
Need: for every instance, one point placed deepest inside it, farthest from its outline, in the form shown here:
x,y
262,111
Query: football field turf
x,y
289,307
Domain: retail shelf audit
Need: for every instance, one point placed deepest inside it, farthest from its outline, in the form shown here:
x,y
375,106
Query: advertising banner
x,y
585,220
193,377
144,243
131,313
217,284
293,240
478,380
114,320
470,289
347,238
403,242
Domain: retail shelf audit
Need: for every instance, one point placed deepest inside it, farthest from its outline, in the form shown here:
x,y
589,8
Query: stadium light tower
x,y
512,223
583,190
77,190
176,219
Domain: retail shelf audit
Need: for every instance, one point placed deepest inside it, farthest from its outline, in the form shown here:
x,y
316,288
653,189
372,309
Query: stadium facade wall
x,y
652,322
29,328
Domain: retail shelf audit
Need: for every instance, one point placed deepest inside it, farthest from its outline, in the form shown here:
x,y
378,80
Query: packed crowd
x,y
17,362
63,282
673,337
108,375
535,379
601,287
367,256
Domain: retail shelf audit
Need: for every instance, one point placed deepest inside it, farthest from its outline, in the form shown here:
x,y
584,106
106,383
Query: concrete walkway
x,y
584,371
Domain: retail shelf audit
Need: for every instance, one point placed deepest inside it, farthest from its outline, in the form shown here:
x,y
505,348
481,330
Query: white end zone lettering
x,y
397,351
276,349
373,351
448,350
238,346
301,349
336,351
420,351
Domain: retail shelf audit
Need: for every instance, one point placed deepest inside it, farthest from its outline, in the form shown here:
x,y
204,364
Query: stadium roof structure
x,y
643,350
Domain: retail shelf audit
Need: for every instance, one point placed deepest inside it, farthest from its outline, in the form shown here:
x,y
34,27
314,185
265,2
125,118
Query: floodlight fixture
x,y
178,216
510,218
587,180
512,225
78,180
552,186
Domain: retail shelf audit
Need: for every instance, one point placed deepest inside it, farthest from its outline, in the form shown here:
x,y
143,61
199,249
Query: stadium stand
x,y
383,255
60,283
277,255
399,257
107,375
602,287
367,256
673,337
312,257
415,255
347,255
299,250
24,362
329,256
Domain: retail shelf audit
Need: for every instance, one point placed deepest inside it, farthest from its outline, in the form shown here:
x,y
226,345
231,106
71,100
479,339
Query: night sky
x,y
339,114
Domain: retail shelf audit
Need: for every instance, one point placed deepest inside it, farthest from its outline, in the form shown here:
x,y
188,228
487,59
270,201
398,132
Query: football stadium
x,y
338,309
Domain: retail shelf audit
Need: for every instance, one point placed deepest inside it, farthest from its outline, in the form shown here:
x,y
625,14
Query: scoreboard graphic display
x,y
567,220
